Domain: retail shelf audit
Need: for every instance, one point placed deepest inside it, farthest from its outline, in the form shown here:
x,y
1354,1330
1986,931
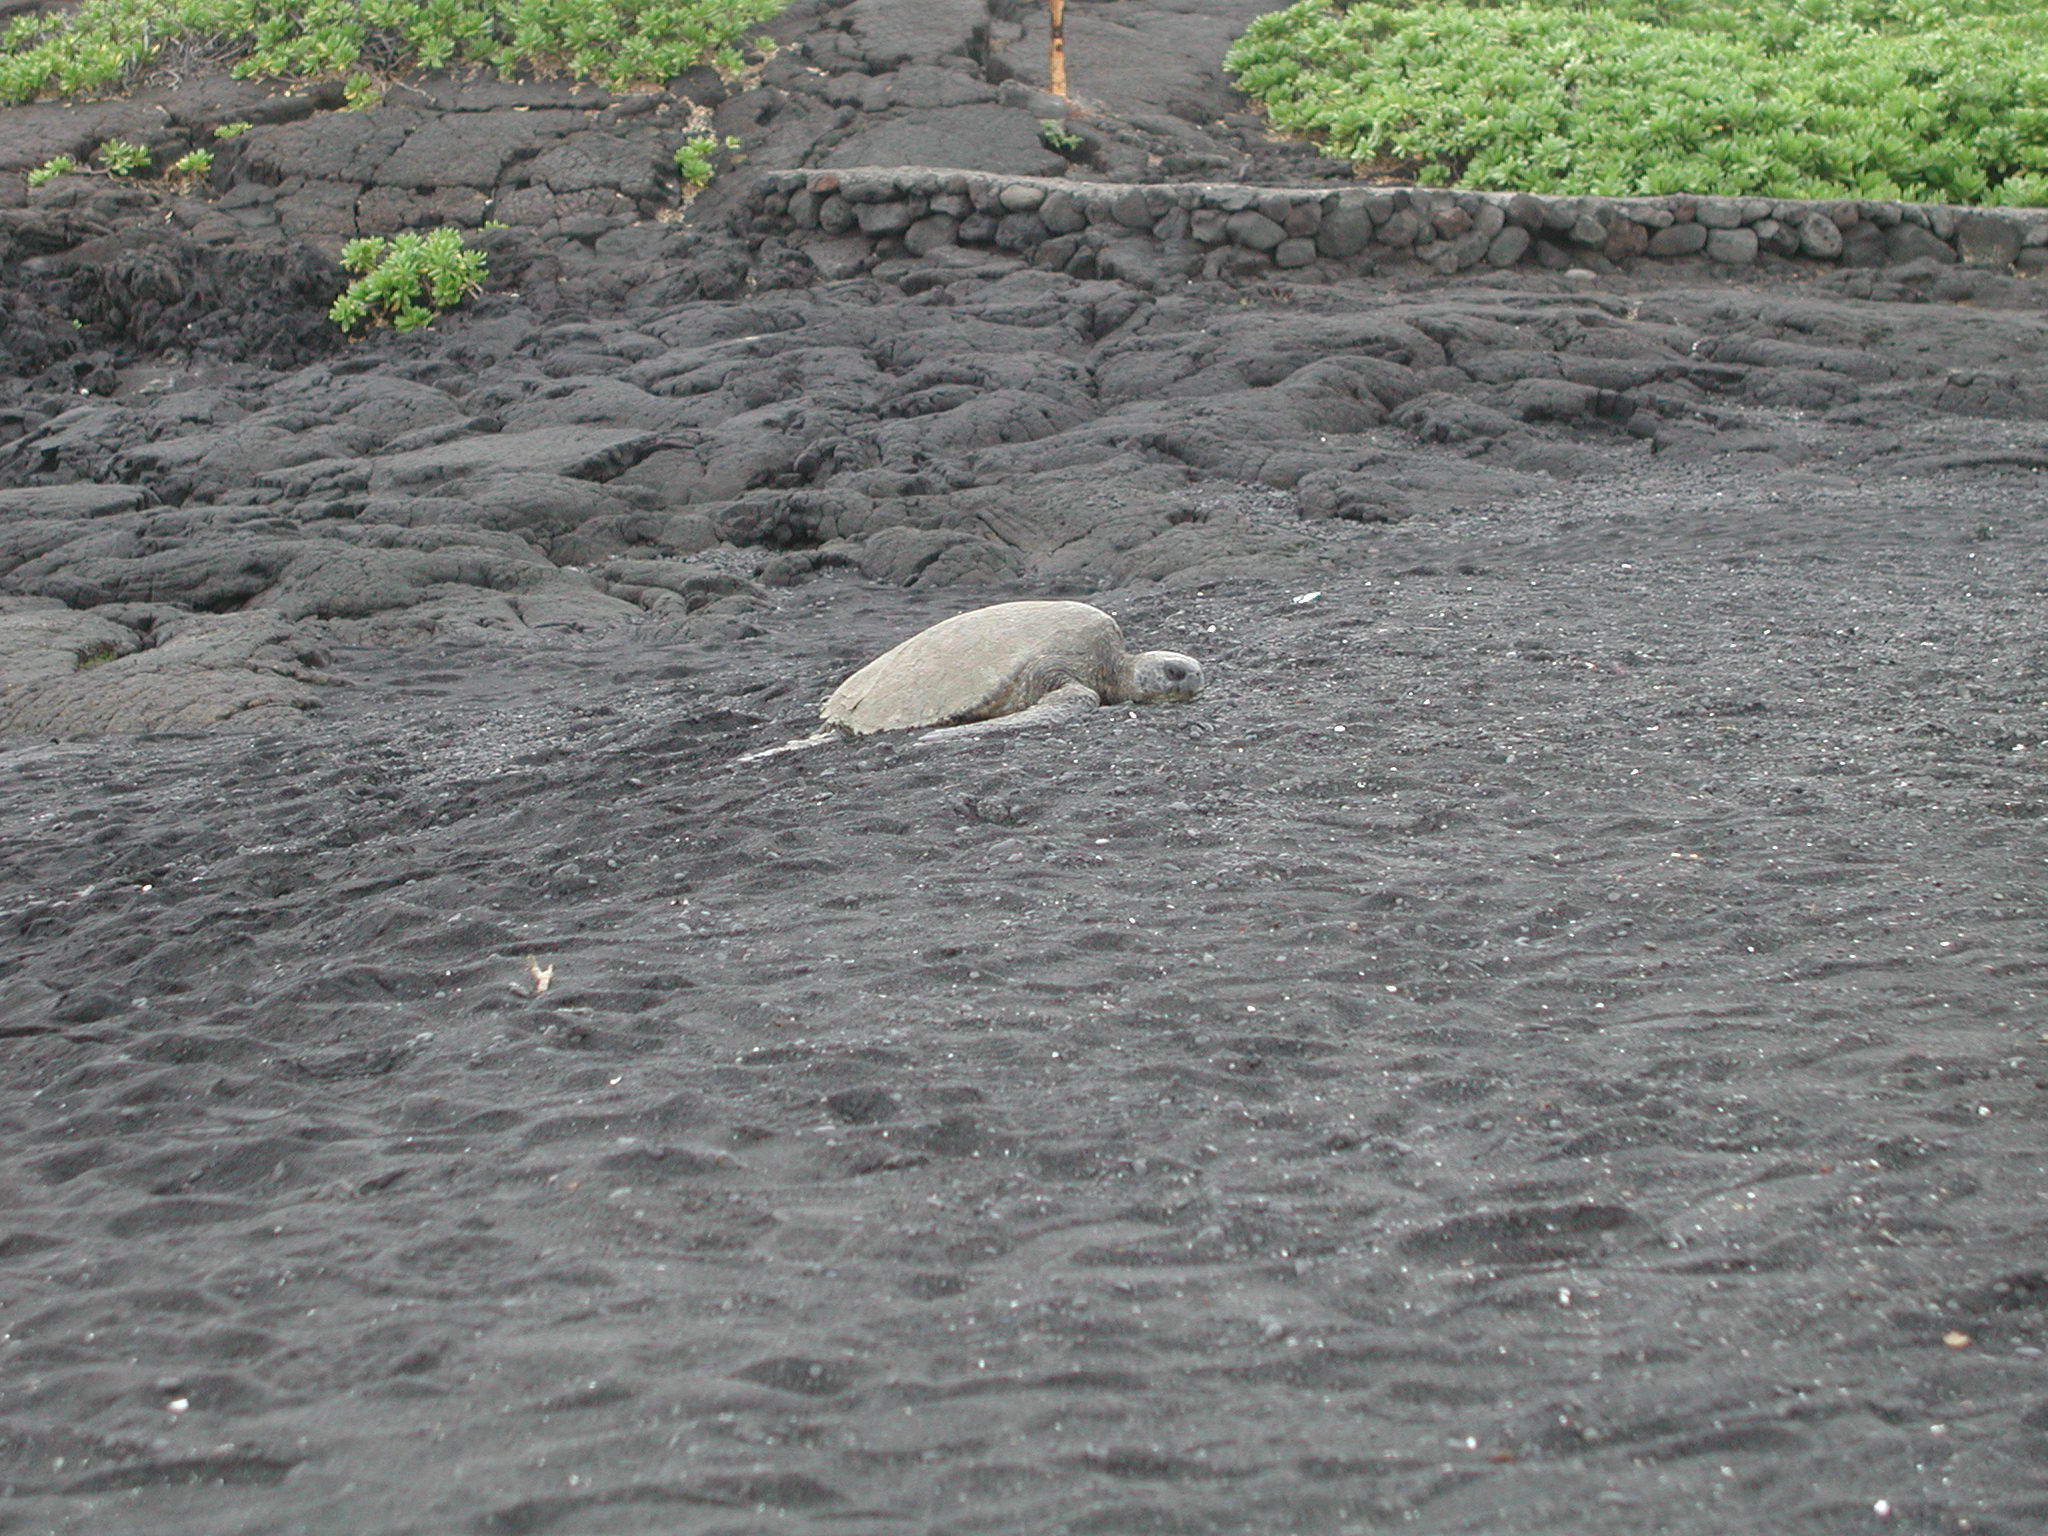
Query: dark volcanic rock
x,y
150,293
151,668
467,149
973,138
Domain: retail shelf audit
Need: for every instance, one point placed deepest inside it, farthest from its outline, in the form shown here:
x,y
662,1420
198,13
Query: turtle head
x,y
1160,676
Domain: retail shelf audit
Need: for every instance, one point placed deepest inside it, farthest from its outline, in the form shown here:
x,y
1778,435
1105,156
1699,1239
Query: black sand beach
x,y
1551,1041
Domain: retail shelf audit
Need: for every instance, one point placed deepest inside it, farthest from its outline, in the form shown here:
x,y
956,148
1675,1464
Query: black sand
x,y
1551,1041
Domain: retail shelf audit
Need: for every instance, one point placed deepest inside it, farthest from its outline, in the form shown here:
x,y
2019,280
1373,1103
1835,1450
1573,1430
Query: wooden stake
x,y
1059,47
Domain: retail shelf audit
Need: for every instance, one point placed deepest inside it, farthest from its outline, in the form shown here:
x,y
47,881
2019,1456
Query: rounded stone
x,y
883,218
929,233
1677,240
1819,236
1626,238
1777,238
1732,247
1986,240
1303,219
1131,210
1063,215
1401,228
835,215
1254,231
1507,247
1346,231
1911,242
1019,231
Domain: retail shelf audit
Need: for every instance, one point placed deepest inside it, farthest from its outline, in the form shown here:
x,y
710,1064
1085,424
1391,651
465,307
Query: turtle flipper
x,y
1064,705
801,744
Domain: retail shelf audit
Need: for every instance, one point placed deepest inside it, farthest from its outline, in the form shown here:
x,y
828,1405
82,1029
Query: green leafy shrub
x,y
1939,100
359,93
695,158
1058,139
123,158
407,280
101,43
226,131
120,158
51,169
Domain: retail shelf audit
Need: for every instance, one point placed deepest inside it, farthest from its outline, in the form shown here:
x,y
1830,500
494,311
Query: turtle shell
x,y
977,665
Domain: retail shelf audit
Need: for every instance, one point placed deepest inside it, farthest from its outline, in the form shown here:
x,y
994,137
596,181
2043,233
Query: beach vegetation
x,y
51,169
98,46
360,92
1927,100
194,166
406,280
696,158
122,158
1058,138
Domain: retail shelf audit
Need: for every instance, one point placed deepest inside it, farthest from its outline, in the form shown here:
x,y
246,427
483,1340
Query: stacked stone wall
x,y
850,220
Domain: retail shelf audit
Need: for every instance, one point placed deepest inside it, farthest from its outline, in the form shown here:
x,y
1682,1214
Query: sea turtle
x,y
1000,669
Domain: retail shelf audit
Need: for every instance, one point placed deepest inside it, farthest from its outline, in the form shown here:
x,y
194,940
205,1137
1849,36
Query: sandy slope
x,y
1550,1041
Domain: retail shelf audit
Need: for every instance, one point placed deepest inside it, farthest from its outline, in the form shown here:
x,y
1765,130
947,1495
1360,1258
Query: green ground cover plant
x,y
697,158
408,279
101,44
51,169
117,157
1057,137
193,167
360,92
1928,100
123,158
